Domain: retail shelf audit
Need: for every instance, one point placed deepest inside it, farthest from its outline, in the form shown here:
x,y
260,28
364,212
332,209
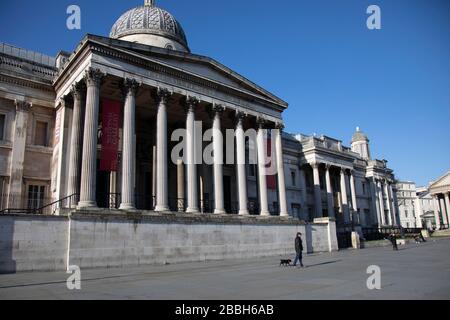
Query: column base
x,y
284,215
83,205
244,213
127,207
265,214
192,210
220,211
162,209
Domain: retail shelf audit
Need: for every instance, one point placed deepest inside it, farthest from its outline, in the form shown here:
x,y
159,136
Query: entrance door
x,y
103,189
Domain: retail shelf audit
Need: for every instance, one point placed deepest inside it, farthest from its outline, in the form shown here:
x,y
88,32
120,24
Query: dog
x,y
285,262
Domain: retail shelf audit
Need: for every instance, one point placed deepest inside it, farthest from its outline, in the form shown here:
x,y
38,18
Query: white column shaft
x,y
192,182
317,191
330,199
76,143
218,165
261,141
162,193
128,153
381,201
437,212
344,196
89,163
241,173
281,177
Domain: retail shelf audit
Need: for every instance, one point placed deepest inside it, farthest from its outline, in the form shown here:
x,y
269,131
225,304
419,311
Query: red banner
x,y
110,135
271,179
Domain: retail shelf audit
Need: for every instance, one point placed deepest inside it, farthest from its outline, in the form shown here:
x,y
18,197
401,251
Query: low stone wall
x,y
32,243
115,239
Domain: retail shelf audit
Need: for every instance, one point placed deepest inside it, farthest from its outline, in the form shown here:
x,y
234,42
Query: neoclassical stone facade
x,y
327,179
440,192
53,135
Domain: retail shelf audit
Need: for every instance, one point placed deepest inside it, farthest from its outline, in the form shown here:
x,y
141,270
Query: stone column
x,y
392,203
129,150
180,185
304,194
374,200
262,176
93,80
192,182
386,192
241,173
381,201
353,191
345,208
76,141
437,212
218,160
317,191
330,199
162,175
18,154
447,206
280,170
113,190
444,213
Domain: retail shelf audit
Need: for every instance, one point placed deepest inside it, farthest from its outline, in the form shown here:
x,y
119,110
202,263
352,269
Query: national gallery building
x,y
92,129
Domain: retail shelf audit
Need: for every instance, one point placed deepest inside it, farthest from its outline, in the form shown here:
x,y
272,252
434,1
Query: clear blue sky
x,y
317,55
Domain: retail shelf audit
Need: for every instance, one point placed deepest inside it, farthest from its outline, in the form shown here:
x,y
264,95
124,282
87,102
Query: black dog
x,y
285,262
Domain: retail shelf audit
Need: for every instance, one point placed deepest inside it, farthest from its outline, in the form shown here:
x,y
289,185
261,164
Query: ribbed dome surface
x,y
149,19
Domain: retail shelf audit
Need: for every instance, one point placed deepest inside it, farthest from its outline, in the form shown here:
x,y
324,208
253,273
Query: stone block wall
x,y
33,243
106,239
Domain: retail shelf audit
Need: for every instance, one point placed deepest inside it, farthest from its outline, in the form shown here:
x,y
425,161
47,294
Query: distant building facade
x,y
324,178
407,204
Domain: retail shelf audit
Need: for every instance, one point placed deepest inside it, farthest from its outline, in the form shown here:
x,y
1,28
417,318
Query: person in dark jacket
x,y
298,250
393,240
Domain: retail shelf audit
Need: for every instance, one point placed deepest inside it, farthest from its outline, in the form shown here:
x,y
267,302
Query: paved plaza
x,y
415,272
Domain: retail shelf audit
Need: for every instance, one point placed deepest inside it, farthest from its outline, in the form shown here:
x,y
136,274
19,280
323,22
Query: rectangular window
x,y
364,188
41,134
293,178
2,126
36,195
406,213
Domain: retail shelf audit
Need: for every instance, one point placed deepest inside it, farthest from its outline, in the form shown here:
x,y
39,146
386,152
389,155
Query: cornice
x,y
19,81
158,67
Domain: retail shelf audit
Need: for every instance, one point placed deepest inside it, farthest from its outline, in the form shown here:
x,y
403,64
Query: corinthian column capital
x,y
78,90
162,95
23,106
190,103
93,77
130,86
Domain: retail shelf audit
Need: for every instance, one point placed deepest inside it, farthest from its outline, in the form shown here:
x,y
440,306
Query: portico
x,y
440,192
152,111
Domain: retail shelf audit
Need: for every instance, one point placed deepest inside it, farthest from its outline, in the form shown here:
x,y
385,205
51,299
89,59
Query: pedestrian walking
x,y
393,240
299,250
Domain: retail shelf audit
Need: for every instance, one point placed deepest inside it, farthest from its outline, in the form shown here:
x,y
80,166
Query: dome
x,y
359,136
150,25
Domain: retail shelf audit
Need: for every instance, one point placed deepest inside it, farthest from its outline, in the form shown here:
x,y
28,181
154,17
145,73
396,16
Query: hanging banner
x,y
110,135
271,179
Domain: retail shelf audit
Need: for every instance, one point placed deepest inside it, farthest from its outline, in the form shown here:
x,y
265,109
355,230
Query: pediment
x,y
442,182
192,64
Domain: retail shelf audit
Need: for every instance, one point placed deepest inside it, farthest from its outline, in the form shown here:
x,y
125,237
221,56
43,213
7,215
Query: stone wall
x,y
33,243
108,239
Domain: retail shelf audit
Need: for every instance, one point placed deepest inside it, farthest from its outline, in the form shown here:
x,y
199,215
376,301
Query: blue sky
x,y
317,55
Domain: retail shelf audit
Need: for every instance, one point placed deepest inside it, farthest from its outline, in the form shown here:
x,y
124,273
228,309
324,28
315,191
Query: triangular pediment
x,y
442,182
192,64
